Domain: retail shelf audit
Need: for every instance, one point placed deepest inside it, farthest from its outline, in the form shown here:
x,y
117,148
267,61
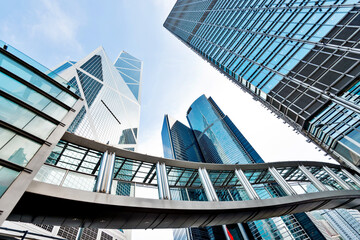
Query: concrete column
x,y
246,184
282,182
313,179
341,182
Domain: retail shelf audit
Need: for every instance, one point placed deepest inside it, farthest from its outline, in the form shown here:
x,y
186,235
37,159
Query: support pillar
x,y
313,179
208,187
282,182
352,177
341,182
105,174
212,196
162,180
246,184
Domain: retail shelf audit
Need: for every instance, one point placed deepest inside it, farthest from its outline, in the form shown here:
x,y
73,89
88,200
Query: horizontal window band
x,y
26,83
23,133
38,72
14,166
29,107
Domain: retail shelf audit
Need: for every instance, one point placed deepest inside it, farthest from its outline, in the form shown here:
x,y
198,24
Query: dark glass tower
x,y
298,58
179,142
217,139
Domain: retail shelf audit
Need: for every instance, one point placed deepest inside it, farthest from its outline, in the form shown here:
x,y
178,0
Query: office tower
x,y
36,106
214,135
179,143
111,113
298,58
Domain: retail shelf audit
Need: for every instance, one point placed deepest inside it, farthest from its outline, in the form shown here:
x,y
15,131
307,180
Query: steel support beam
x,y
165,182
352,177
246,184
282,182
110,172
341,182
159,182
162,180
243,232
208,187
211,193
105,175
225,231
101,172
313,179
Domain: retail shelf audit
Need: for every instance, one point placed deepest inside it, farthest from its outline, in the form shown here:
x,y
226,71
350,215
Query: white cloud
x,y
55,24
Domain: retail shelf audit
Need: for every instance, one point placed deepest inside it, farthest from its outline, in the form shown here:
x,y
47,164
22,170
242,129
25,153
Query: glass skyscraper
x,y
214,137
111,113
298,58
36,107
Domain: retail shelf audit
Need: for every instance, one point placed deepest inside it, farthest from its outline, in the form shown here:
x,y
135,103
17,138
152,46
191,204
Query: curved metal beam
x,y
187,164
91,209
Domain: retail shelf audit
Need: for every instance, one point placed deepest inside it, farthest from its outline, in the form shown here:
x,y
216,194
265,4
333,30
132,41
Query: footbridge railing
x,y
89,184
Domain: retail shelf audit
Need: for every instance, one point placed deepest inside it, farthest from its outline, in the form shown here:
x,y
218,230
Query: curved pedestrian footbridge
x,y
101,187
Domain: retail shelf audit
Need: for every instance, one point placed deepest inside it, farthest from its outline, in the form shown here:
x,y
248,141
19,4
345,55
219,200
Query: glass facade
x,y
299,58
33,104
219,141
179,143
111,113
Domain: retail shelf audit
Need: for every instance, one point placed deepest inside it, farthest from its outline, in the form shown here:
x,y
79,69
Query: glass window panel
x,y
29,76
14,114
22,92
40,127
7,176
66,98
79,181
5,136
19,150
31,97
55,111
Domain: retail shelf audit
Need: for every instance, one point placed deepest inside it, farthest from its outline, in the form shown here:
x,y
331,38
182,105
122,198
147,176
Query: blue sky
x,y
173,77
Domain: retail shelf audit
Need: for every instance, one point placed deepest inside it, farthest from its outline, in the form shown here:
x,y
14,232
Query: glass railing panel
x,y
79,181
123,188
325,178
345,178
52,175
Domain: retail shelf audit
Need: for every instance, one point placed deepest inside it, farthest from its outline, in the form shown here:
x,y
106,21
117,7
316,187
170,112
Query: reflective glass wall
x,y
33,109
220,141
111,113
296,57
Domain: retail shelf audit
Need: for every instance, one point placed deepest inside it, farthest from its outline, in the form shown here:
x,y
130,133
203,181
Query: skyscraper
x,y
298,58
217,139
179,142
111,113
